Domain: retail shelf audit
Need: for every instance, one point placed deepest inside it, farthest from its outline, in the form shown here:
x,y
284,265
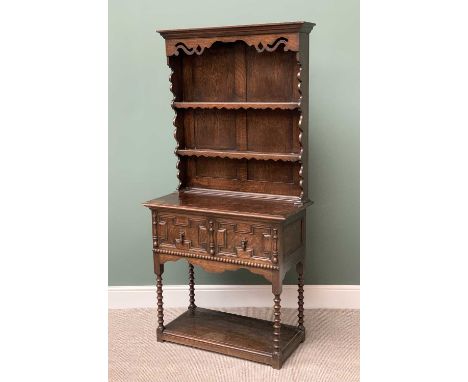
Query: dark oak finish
x,y
240,96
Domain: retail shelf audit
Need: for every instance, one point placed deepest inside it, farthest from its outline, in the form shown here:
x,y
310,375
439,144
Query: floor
x,y
329,353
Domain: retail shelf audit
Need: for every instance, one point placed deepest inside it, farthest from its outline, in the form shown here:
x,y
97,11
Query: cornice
x,y
238,30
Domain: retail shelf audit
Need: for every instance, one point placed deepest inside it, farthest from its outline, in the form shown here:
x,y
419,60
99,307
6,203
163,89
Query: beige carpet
x,y
329,353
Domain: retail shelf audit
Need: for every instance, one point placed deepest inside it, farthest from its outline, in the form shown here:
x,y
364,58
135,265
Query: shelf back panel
x,y
236,72
243,130
271,76
272,131
266,177
210,129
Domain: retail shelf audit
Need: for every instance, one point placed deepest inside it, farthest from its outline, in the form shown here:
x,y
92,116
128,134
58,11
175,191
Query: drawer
x,y
183,232
246,240
216,237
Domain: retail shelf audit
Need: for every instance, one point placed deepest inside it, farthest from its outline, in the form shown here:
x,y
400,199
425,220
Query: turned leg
x,y
159,292
192,305
300,298
277,332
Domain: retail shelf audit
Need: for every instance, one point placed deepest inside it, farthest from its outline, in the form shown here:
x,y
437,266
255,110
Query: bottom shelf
x,y
231,334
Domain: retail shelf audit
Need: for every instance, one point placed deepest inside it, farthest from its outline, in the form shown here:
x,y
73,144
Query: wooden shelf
x,y
237,105
231,334
240,155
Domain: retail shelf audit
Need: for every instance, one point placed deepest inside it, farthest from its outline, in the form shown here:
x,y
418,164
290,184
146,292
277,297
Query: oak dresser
x,y
240,96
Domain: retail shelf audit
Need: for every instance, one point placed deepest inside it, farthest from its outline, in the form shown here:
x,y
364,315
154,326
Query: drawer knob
x,y
244,244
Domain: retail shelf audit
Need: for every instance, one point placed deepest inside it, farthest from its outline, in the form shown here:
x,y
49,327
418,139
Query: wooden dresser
x,y
240,96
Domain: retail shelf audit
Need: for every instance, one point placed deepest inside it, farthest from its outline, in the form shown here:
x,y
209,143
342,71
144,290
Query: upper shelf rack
x,y
237,105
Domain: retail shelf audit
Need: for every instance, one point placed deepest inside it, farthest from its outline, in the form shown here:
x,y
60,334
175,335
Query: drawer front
x,y
183,232
245,240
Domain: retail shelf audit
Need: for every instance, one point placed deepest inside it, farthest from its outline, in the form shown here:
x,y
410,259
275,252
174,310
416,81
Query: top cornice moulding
x,y
238,30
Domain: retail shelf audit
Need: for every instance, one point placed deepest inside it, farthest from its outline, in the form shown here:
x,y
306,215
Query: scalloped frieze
x,y
272,47
181,46
238,105
261,43
240,155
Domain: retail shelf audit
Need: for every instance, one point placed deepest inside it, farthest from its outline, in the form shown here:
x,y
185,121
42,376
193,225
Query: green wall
x,y
141,144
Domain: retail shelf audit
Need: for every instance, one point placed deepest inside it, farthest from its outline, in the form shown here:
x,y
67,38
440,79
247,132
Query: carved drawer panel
x,y
183,232
245,240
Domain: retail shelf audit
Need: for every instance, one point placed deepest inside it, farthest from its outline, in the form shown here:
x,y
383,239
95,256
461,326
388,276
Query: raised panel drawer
x,y
183,232
245,240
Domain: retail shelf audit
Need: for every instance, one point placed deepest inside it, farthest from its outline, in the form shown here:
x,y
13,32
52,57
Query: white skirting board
x,y
232,296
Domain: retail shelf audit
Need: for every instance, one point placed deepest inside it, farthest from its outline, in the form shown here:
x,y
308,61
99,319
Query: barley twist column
x,y
192,305
277,325
160,303
300,298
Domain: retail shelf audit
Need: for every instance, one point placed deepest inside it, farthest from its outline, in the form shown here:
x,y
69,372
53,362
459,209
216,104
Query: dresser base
x,y
233,335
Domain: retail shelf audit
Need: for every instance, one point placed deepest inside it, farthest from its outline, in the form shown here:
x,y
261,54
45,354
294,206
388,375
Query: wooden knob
x,y
244,244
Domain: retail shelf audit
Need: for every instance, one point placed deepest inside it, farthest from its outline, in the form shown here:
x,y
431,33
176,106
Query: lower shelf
x,y
231,334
